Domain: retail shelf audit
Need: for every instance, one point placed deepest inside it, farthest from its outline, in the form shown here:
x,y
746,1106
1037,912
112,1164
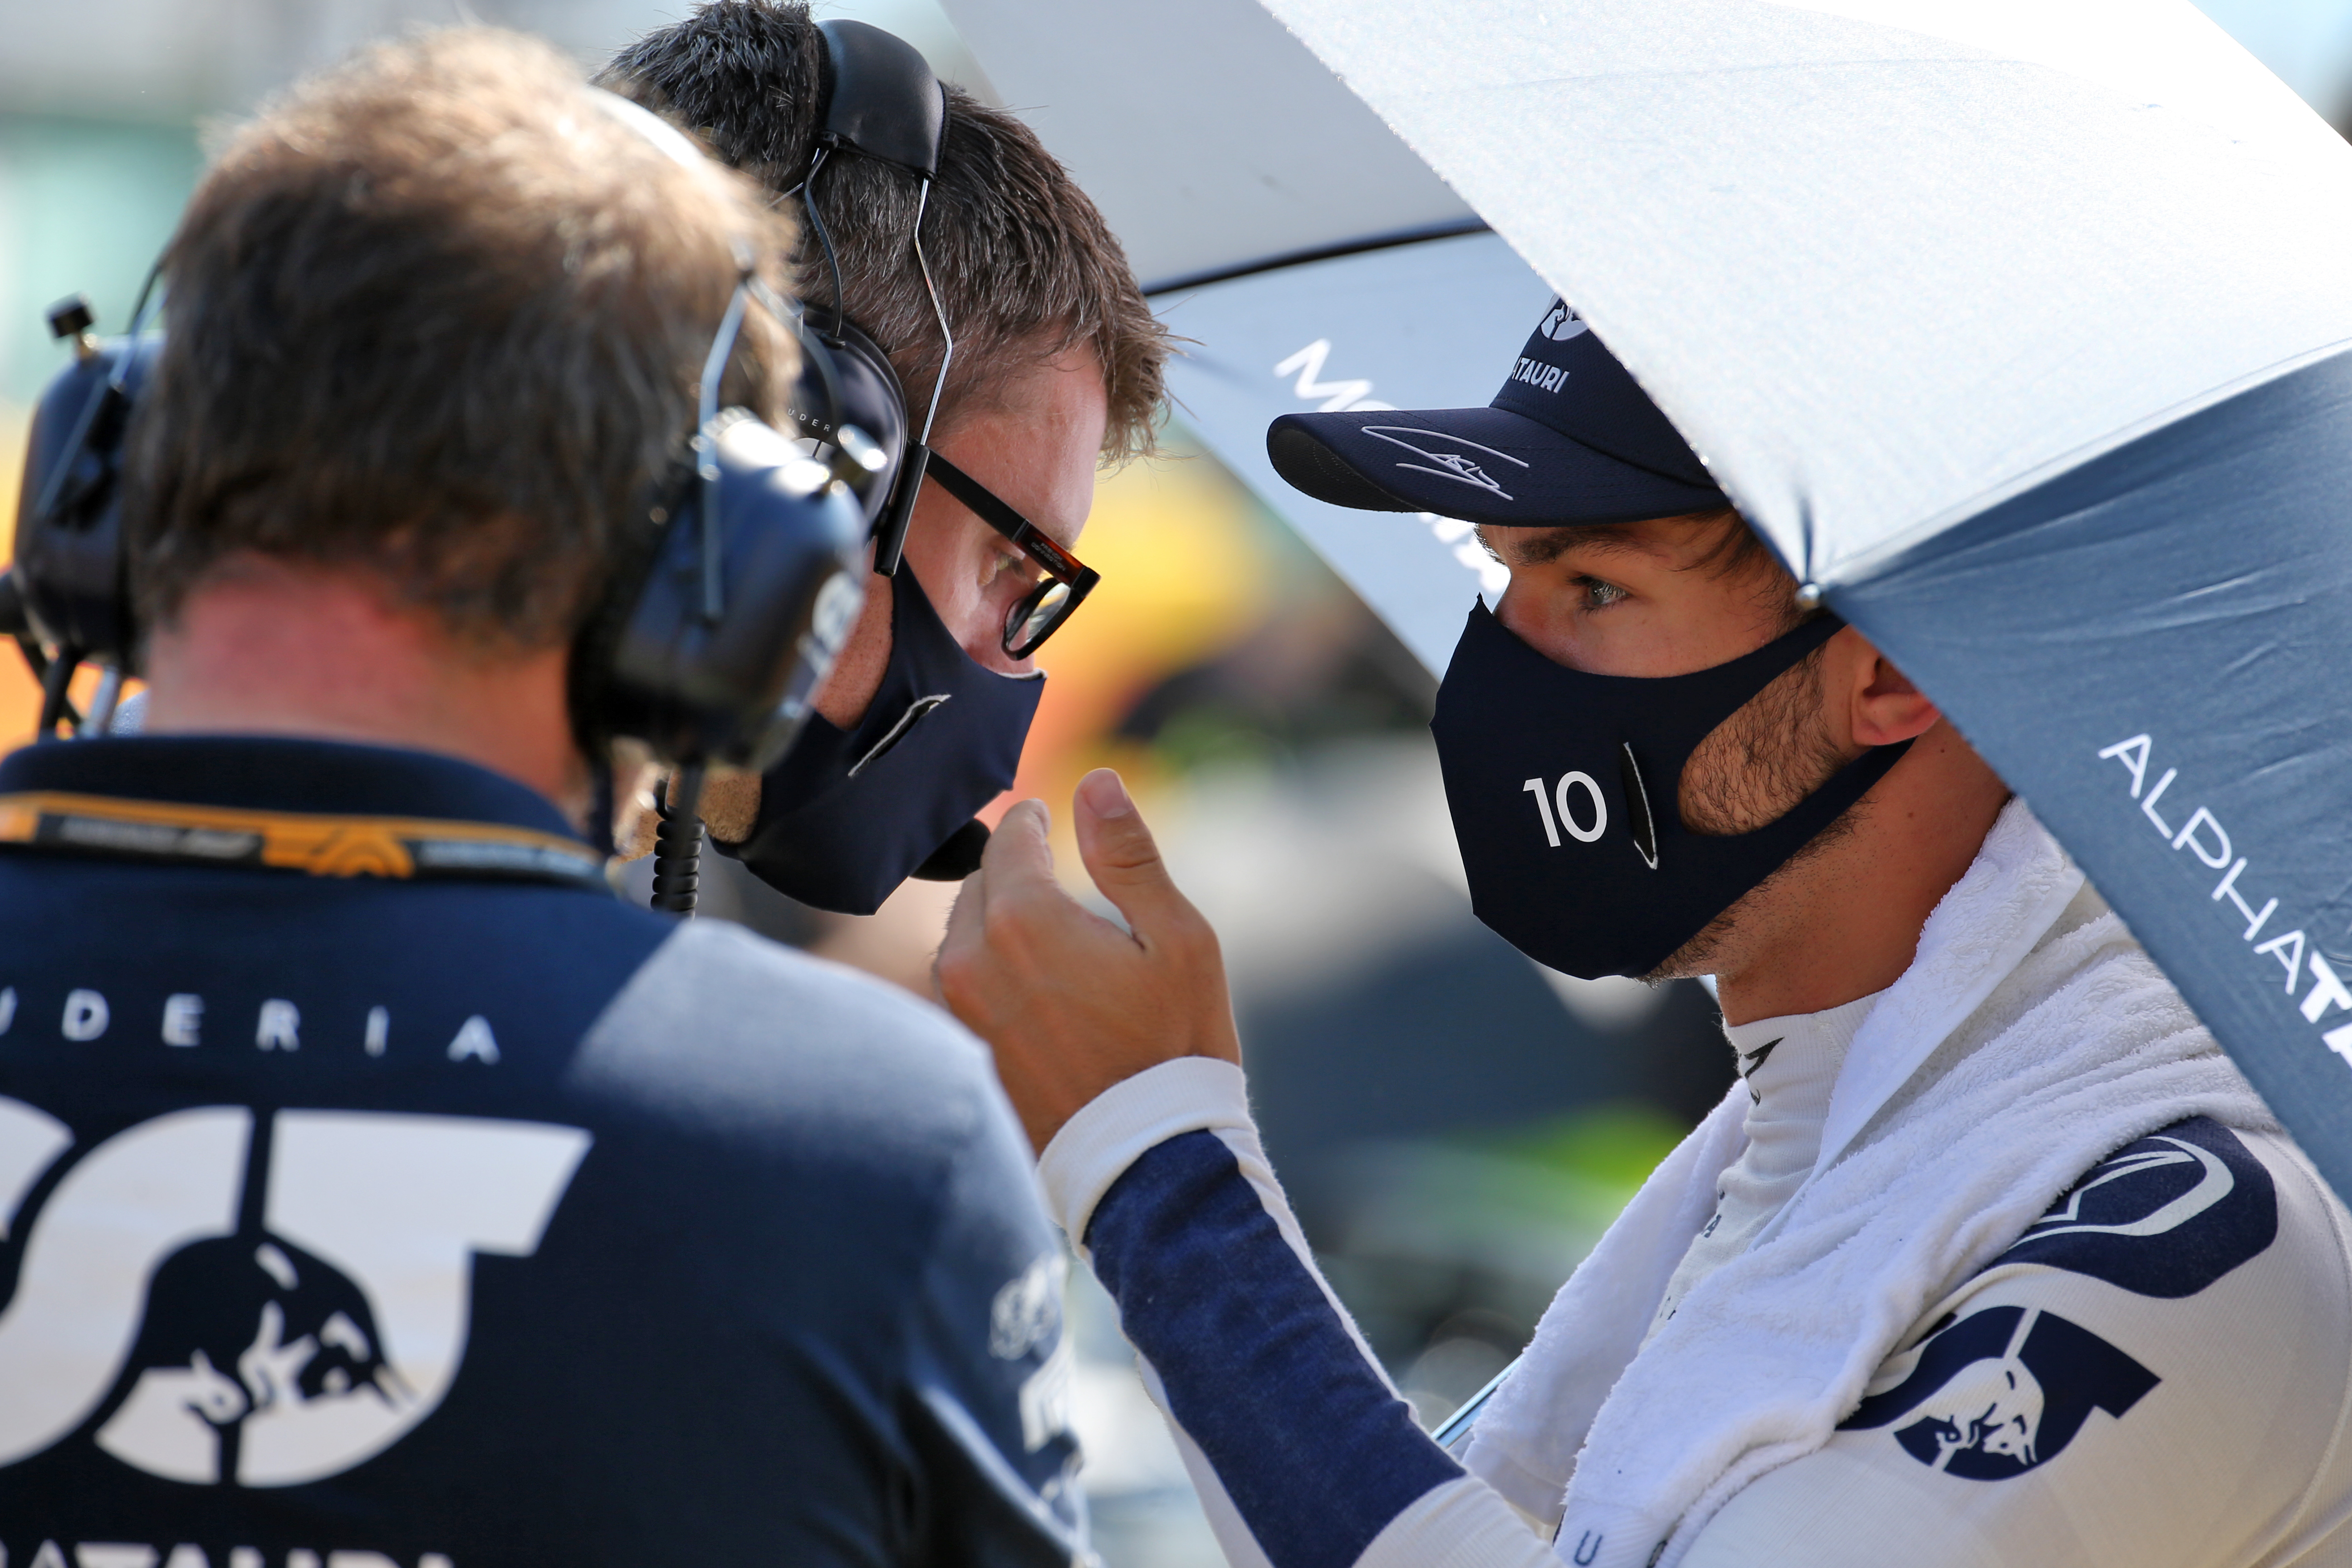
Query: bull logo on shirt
x,y
1991,1408
2000,1391
240,1336
221,1295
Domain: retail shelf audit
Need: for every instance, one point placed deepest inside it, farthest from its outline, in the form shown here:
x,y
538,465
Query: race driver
x,y
1989,1257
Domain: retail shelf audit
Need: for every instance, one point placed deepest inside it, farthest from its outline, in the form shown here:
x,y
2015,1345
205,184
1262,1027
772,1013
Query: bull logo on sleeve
x,y
221,1297
2000,1392
1992,1407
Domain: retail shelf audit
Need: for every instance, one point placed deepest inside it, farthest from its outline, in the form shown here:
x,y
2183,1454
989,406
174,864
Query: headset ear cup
x,y
590,680
72,566
648,666
870,398
732,686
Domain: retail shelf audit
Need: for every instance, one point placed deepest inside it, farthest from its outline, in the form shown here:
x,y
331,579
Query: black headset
x,y
694,653
740,591
66,599
880,101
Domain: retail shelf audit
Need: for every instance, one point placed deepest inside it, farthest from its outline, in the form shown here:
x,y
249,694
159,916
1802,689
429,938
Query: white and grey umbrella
x,y
1314,260
2023,331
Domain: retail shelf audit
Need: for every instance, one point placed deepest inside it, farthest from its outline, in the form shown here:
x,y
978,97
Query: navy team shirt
x,y
352,1222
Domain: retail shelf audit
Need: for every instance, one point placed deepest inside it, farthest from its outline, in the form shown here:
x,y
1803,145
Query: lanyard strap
x,y
409,848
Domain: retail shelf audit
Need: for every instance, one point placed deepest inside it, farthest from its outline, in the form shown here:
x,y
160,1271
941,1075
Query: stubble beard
x,y
1746,923
1752,770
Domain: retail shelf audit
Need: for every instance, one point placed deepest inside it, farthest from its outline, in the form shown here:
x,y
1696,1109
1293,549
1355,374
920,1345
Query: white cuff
x,y
1115,1128
1461,1524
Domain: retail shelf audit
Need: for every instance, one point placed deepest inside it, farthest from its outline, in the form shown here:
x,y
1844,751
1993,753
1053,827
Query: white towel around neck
x,y
1790,1065
2019,1049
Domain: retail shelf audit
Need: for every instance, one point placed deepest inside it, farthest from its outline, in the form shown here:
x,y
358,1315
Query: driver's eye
x,y
1599,594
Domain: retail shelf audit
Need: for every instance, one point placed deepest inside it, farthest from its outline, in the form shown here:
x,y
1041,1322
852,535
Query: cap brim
x,y
1482,465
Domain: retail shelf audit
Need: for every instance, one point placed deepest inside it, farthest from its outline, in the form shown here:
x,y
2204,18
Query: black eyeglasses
x,y
1067,581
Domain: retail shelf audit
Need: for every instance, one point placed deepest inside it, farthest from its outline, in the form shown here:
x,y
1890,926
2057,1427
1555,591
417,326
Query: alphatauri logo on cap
x,y
1538,374
1562,323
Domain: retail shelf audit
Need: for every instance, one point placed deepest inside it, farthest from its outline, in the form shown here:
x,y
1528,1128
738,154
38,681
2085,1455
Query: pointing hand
x,y
1071,1003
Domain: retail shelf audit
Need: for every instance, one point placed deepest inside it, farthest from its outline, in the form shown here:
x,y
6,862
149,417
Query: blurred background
x,y
1455,1124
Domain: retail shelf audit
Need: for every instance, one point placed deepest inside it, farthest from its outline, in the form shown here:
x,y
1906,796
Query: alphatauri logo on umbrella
x,y
261,1300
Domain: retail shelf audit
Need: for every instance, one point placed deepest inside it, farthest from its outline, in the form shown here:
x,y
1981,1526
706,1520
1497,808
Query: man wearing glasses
x,y
1054,369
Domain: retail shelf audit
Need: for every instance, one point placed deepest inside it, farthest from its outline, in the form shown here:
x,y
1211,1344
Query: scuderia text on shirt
x,y
85,1014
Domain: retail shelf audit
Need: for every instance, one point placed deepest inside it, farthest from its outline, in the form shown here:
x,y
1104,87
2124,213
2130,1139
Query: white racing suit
x,y
2053,1290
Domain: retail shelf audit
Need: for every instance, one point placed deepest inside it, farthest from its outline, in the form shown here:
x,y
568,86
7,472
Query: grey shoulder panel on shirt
x,y
738,1033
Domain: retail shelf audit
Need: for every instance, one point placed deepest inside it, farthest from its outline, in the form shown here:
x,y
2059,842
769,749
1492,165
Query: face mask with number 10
x,y
1563,785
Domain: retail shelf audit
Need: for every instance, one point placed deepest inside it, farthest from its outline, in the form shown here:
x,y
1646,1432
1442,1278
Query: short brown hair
x,y
1026,268
438,313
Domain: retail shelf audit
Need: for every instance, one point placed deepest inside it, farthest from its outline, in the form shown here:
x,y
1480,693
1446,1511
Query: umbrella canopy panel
x,y
1436,322
1211,138
2152,648
1882,263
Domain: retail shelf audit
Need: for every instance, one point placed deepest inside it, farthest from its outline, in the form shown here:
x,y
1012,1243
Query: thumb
x,y
1119,855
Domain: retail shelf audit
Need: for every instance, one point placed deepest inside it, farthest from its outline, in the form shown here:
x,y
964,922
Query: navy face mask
x,y
848,816
1563,787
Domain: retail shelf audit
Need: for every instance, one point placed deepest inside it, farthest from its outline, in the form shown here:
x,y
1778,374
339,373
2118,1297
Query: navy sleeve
x,y
1315,1452
991,1427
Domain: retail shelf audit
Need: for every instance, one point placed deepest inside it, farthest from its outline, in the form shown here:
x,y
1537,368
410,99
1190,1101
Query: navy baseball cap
x,y
1570,439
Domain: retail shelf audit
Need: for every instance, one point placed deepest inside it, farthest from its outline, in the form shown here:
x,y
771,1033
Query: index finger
x,y
1028,910
1019,860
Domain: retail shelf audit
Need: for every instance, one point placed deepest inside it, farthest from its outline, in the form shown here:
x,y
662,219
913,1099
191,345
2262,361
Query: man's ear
x,y
1882,705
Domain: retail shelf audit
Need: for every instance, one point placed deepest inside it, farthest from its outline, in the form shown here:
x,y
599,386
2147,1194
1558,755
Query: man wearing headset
x,y
1056,367
374,1188
1992,1257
